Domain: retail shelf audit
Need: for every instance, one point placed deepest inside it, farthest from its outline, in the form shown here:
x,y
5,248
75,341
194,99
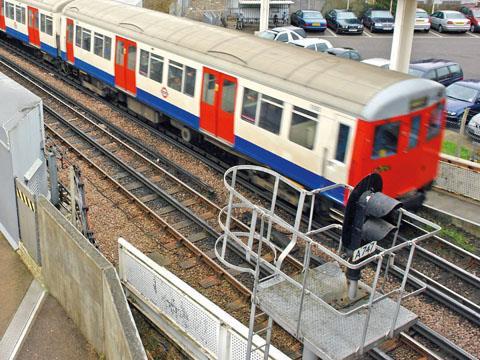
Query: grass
x,y
458,239
450,148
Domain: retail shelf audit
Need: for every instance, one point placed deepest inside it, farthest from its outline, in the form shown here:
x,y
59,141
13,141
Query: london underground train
x,y
316,119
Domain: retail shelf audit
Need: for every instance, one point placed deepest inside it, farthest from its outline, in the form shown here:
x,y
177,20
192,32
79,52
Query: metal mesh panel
x,y
186,314
38,179
458,180
239,349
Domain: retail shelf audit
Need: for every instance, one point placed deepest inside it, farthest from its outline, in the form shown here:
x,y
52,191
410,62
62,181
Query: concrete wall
x,y
87,286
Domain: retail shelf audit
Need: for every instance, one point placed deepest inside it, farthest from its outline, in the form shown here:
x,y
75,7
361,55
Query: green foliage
x,y
450,148
458,239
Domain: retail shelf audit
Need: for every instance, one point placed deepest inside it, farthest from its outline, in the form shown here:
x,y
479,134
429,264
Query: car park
x,y
287,34
344,21
449,20
462,95
473,128
315,44
380,62
443,71
378,20
309,20
345,52
422,20
472,14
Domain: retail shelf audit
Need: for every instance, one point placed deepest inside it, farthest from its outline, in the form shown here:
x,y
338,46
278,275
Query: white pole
x,y
348,4
264,14
403,35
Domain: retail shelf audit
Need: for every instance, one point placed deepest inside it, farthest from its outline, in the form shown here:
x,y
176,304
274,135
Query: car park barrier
x,y
459,176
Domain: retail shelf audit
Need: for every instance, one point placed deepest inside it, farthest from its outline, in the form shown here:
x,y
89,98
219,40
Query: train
x,y
315,118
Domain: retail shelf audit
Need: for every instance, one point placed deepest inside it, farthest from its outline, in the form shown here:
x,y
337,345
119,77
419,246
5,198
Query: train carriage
x,y
35,23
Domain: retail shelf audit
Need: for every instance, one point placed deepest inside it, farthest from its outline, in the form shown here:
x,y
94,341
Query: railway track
x,y
215,162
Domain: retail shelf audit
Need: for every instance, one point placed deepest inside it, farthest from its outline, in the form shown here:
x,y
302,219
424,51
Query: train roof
x,y
323,79
47,5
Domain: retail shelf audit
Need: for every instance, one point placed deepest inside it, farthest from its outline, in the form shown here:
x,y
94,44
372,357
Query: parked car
x,y
315,44
462,95
345,52
344,21
449,20
380,62
422,20
295,29
472,14
443,71
309,20
473,128
286,34
378,20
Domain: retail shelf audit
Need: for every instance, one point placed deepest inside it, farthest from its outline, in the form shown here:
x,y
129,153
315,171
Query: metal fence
x,y
459,176
199,326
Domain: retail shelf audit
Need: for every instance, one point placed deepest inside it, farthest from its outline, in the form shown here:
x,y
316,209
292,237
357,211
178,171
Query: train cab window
x,y
78,36
46,24
20,14
86,39
271,111
342,142
208,89
102,45
228,96
189,81
435,122
414,129
10,10
303,127
249,107
386,140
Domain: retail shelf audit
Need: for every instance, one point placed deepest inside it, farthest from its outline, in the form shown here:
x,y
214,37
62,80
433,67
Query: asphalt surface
x,y
462,48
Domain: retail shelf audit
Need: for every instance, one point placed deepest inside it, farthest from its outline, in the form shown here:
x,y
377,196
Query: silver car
x,y
449,20
422,22
473,128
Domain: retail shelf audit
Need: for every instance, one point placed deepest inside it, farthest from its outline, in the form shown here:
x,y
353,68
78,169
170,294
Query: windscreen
x,y
460,92
415,72
422,15
346,15
382,14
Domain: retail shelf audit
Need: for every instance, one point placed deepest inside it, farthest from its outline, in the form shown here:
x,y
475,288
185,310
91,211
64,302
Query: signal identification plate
x,y
363,251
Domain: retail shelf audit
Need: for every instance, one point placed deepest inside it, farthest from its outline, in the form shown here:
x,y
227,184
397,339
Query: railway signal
x,y
370,217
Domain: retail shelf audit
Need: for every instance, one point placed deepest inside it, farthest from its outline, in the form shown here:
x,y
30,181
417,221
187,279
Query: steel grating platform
x,y
326,333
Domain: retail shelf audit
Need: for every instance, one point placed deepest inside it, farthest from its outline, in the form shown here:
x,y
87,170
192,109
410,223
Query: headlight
x,y
451,113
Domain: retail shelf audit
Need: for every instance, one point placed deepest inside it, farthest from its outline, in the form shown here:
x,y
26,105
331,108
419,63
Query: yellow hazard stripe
x,y
25,200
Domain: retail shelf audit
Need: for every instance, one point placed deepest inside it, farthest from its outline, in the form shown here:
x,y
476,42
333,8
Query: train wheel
x,y
186,134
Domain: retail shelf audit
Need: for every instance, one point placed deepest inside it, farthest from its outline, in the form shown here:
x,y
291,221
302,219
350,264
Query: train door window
x,y
70,32
78,36
271,111
435,122
208,89
175,74
189,81
132,57
10,10
20,14
119,53
228,96
156,68
249,107
303,127
414,129
342,142
386,140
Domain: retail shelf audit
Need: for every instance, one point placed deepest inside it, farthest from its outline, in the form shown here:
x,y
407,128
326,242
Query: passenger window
x,y
175,74
414,129
435,122
295,36
354,56
78,37
189,85
208,89
386,140
282,37
228,96
20,14
86,39
322,47
98,44
249,108
303,127
455,69
156,68
144,60
432,75
443,73
10,10
342,141
311,47
107,47
271,111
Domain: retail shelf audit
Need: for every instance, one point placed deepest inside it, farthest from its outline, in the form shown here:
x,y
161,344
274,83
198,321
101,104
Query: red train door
x,y
2,15
218,104
69,42
33,35
125,61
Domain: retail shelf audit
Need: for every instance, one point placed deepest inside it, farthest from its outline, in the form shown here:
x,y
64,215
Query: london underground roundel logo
x,y
164,92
